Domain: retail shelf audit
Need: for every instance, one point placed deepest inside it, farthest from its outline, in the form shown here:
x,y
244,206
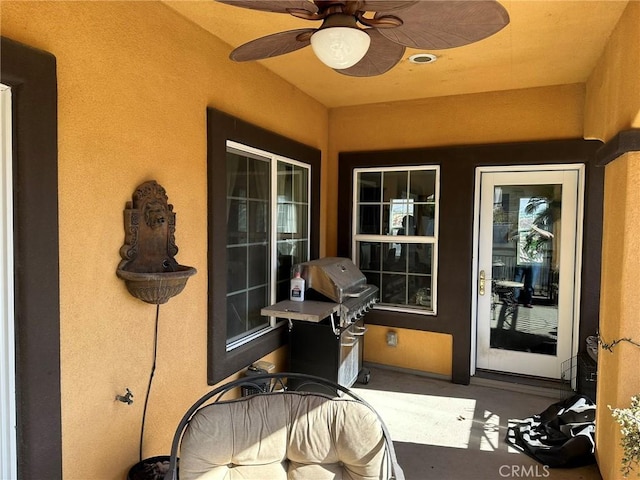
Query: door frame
x,y
579,245
9,456
31,74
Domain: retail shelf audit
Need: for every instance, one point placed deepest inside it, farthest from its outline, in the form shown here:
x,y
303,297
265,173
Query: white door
x,y
528,237
8,463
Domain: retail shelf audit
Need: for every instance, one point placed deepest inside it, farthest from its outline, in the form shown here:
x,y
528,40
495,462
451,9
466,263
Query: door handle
x,y
482,282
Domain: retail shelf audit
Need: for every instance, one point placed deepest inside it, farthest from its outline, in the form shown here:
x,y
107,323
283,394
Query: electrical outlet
x,y
392,338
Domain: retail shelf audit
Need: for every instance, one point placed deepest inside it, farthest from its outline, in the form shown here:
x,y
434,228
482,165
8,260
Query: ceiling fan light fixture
x,y
340,47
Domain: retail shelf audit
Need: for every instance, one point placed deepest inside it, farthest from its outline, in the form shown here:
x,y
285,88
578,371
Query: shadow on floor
x,y
446,431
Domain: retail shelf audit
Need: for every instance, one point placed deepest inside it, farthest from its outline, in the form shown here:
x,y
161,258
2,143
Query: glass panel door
x,y
527,276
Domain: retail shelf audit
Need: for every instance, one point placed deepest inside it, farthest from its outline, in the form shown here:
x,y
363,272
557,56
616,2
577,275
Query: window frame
x,y
382,238
274,161
220,128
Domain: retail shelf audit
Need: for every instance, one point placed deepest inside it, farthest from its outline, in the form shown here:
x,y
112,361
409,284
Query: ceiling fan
x,y
363,38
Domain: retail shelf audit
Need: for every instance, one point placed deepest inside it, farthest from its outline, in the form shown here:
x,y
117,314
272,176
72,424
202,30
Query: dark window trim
x,y
457,184
220,128
624,142
31,74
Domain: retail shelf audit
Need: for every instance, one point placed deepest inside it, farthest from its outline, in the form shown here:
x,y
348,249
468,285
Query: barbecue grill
x,y
339,280
327,328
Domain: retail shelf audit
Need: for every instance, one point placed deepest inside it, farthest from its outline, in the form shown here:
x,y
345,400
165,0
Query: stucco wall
x,y
618,374
612,105
134,81
613,89
422,351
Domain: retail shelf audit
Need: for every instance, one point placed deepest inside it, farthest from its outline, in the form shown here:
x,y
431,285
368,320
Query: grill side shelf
x,y
308,311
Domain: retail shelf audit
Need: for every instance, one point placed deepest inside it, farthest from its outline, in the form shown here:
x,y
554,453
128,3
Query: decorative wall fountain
x,y
148,268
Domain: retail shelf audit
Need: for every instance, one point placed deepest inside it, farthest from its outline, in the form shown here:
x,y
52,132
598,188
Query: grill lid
x,y
336,278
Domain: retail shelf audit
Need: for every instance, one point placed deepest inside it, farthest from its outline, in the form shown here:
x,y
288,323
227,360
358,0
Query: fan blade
x,y
273,45
385,5
276,6
381,57
437,24
351,7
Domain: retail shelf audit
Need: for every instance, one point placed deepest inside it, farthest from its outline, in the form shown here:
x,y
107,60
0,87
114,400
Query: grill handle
x,y
350,341
359,293
358,331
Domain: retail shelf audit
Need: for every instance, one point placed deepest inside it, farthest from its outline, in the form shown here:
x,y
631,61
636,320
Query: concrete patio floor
x,y
446,431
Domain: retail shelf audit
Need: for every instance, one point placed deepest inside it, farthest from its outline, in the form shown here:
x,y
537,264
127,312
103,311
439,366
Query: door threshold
x,y
544,387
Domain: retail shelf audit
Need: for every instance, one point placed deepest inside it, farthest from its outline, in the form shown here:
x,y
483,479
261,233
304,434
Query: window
x,y
395,225
235,341
267,233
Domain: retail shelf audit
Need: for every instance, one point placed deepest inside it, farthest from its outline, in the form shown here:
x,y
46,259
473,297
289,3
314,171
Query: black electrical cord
x,y
153,369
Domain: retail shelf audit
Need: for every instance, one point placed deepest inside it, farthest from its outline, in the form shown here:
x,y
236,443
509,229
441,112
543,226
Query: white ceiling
x,y
547,42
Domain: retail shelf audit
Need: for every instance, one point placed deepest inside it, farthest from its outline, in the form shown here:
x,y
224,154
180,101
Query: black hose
x,y
153,369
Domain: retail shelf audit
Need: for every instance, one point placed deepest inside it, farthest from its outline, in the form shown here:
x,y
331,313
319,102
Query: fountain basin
x,y
156,288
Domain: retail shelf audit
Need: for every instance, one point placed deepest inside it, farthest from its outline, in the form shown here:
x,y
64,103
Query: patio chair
x,y
285,426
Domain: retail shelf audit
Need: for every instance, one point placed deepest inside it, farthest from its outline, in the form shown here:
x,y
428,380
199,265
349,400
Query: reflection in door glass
x,y
525,268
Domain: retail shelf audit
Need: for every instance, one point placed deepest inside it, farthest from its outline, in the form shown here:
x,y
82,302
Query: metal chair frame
x,y
278,383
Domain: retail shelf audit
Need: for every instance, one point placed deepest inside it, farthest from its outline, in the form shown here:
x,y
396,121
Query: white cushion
x,y
287,435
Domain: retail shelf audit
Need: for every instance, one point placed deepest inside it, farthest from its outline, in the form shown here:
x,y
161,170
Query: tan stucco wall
x,y
134,81
618,373
518,115
423,351
613,89
613,105
495,117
